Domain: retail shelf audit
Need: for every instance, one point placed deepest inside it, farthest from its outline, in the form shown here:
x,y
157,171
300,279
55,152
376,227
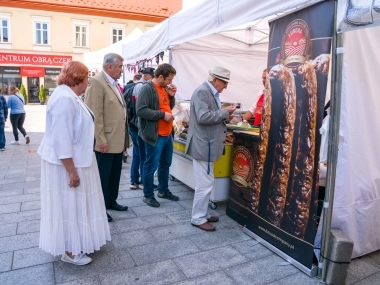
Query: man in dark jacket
x,y
3,119
154,109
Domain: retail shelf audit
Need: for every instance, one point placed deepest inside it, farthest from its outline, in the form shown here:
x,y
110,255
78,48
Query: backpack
x,y
130,103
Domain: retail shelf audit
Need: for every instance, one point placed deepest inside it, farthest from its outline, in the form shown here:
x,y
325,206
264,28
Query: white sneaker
x,y
15,142
79,259
27,139
140,186
2,149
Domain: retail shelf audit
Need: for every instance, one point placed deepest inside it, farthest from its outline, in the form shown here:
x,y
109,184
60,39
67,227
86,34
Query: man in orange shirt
x,y
154,109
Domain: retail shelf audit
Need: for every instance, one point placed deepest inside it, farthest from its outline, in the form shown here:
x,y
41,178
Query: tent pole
x,y
335,105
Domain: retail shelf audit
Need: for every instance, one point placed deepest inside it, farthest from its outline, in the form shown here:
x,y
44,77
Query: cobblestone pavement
x,y
149,245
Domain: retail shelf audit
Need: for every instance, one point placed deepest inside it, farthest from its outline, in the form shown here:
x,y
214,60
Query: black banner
x,y
284,199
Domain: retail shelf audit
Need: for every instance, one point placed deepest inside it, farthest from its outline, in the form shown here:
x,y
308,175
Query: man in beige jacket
x,y
104,99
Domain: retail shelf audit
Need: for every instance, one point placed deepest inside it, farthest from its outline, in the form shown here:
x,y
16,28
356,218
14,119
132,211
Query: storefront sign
x,y
31,71
11,70
52,71
283,208
33,59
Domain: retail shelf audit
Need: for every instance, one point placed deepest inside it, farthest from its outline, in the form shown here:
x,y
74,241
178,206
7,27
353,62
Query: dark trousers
x,y
109,165
17,121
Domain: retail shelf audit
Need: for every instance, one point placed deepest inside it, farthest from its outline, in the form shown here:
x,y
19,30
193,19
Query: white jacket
x,y
69,129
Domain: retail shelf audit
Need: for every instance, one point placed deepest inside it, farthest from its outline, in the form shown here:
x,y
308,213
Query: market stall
x,y
356,188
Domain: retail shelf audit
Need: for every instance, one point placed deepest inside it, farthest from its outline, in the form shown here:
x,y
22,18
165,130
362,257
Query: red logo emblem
x,y
242,167
295,44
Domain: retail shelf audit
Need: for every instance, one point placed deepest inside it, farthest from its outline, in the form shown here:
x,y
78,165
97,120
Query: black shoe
x,y
115,206
168,195
109,217
151,202
155,187
125,158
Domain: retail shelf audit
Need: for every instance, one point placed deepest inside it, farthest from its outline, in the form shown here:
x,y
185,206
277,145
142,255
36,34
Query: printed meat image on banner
x,y
283,205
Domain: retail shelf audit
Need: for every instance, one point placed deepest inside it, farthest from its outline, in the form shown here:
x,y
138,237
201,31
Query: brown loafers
x,y
213,219
205,226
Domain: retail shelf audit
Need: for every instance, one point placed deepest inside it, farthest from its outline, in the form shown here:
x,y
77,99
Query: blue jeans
x,y
2,136
138,155
158,156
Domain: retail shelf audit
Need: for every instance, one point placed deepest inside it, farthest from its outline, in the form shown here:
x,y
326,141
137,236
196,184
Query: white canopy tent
x,y
195,35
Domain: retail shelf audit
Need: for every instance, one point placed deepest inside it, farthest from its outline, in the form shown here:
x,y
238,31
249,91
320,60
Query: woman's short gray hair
x,y
110,58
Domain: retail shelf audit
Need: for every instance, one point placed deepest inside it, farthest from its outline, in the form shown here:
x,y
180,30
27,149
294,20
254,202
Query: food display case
x,y
182,165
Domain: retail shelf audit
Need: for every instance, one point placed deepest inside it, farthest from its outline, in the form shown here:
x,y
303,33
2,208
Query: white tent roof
x,y
95,59
196,23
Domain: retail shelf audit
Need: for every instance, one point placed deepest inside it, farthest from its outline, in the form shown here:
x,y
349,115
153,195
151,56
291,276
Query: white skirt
x,y
72,219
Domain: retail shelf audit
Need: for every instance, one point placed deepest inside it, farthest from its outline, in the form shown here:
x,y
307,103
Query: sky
x,y
186,4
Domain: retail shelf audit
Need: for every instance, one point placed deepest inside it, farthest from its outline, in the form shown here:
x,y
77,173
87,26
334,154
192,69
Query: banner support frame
x,y
310,272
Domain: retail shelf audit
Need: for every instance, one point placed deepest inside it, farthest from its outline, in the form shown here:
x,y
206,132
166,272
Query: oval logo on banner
x,y
295,44
242,167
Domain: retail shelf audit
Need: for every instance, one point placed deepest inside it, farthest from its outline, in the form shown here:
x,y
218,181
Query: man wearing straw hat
x,y
205,141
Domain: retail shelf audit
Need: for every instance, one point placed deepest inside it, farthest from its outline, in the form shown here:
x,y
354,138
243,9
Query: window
x,y
5,29
41,27
81,36
81,30
42,33
117,35
117,32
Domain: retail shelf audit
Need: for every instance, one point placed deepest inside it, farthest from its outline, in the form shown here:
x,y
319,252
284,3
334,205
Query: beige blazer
x,y
108,108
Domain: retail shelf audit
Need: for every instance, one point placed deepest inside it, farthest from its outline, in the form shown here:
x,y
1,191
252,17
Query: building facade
x,y
38,37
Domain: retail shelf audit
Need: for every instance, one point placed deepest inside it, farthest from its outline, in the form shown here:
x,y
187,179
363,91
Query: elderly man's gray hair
x,y
211,78
110,58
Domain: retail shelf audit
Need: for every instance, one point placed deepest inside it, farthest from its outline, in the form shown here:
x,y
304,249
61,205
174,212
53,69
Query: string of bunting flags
x,y
139,65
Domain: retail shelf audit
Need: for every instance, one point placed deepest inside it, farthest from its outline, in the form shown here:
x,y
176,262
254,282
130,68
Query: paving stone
x,y
221,237
32,178
183,195
262,271
131,202
20,216
187,204
10,192
28,190
351,279
30,205
299,278
164,272
162,250
129,225
36,275
164,208
209,261
361,269
28,227
130,239
154,221
18,242
101,263
371,280
10,208
219,278
372,258
18,174
84,281
10,181
6,261
131,194
19,198
174,231
180,216
121,215
8,229
252,249
30,257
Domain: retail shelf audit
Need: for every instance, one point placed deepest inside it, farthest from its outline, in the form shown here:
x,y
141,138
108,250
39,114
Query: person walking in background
x,y
73,216
205,141
17,115
3,119
154,109
138,157
104,99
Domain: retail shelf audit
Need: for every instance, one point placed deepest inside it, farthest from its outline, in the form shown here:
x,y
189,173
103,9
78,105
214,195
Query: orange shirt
x,y
164,128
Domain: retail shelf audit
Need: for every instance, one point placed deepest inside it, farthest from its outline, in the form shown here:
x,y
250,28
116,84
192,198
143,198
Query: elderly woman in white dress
x,y
73,216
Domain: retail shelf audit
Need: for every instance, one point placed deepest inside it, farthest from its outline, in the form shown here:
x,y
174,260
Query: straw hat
x,y
220,73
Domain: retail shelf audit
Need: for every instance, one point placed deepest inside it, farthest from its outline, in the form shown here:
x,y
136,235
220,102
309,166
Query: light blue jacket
x,y
16,104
